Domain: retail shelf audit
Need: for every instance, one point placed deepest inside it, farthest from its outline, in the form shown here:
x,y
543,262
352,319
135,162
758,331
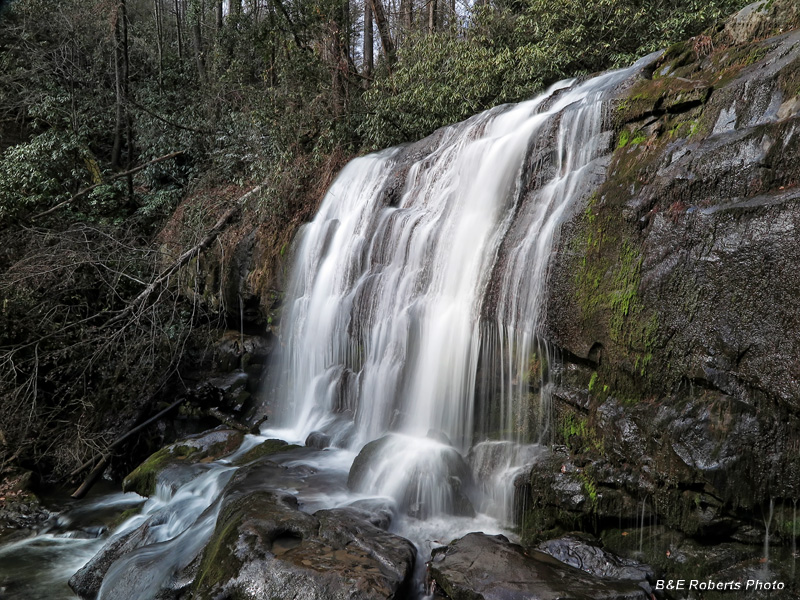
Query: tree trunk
x,y
345,29
369,43
432,16
126,68
340,54
383,30
122,123
197,40
178,28
273,50
157,9
406,13
219,14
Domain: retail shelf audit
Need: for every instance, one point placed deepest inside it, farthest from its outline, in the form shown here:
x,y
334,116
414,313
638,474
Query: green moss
x,y
124,516
589,486
219,563
143,478
264,449
607,285
593,381
571,427
576,433
631,137
537,365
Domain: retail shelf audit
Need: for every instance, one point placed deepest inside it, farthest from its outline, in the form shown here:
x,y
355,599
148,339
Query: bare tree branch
x,y
85,191
183,258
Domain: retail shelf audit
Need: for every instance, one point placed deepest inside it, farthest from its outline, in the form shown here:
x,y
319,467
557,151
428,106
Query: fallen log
x,y
121,439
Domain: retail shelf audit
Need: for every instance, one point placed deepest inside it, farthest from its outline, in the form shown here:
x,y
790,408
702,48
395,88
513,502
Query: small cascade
x,y
642,526
496,465
178,527
40,566
426,477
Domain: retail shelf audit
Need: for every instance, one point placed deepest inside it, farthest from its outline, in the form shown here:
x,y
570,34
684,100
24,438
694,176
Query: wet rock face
x,y
586,553
672,296
265,547
760,19
483,567
87,581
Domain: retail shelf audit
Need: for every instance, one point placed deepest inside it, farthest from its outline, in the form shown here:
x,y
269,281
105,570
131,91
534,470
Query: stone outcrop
x,y
673,300
586,553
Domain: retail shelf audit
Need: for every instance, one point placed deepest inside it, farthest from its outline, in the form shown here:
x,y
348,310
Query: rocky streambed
x,y
227,515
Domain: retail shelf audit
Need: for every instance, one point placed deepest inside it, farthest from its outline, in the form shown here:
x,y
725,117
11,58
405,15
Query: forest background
x,y
116,113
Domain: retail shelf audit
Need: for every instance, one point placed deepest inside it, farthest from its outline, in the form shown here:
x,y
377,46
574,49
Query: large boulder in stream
x,y
485,567
264,546
425,476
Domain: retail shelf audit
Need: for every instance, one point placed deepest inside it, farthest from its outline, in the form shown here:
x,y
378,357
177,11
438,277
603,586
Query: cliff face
x,y
673,296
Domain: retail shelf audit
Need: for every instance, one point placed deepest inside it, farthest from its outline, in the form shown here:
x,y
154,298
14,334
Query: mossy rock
x,y
264,545
266,448
204,447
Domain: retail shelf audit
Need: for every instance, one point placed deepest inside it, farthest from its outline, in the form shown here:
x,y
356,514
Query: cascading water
x,y
422,313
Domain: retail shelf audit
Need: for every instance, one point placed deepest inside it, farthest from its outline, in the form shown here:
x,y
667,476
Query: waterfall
x,y
420,310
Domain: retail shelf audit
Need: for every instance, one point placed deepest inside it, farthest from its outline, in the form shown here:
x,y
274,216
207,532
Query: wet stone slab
x,y
484,567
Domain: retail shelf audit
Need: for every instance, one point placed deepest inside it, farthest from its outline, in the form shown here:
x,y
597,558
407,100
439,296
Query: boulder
x,y
266,448
87,581
585,552
318,439
378,511
263,546
484,567
424,476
